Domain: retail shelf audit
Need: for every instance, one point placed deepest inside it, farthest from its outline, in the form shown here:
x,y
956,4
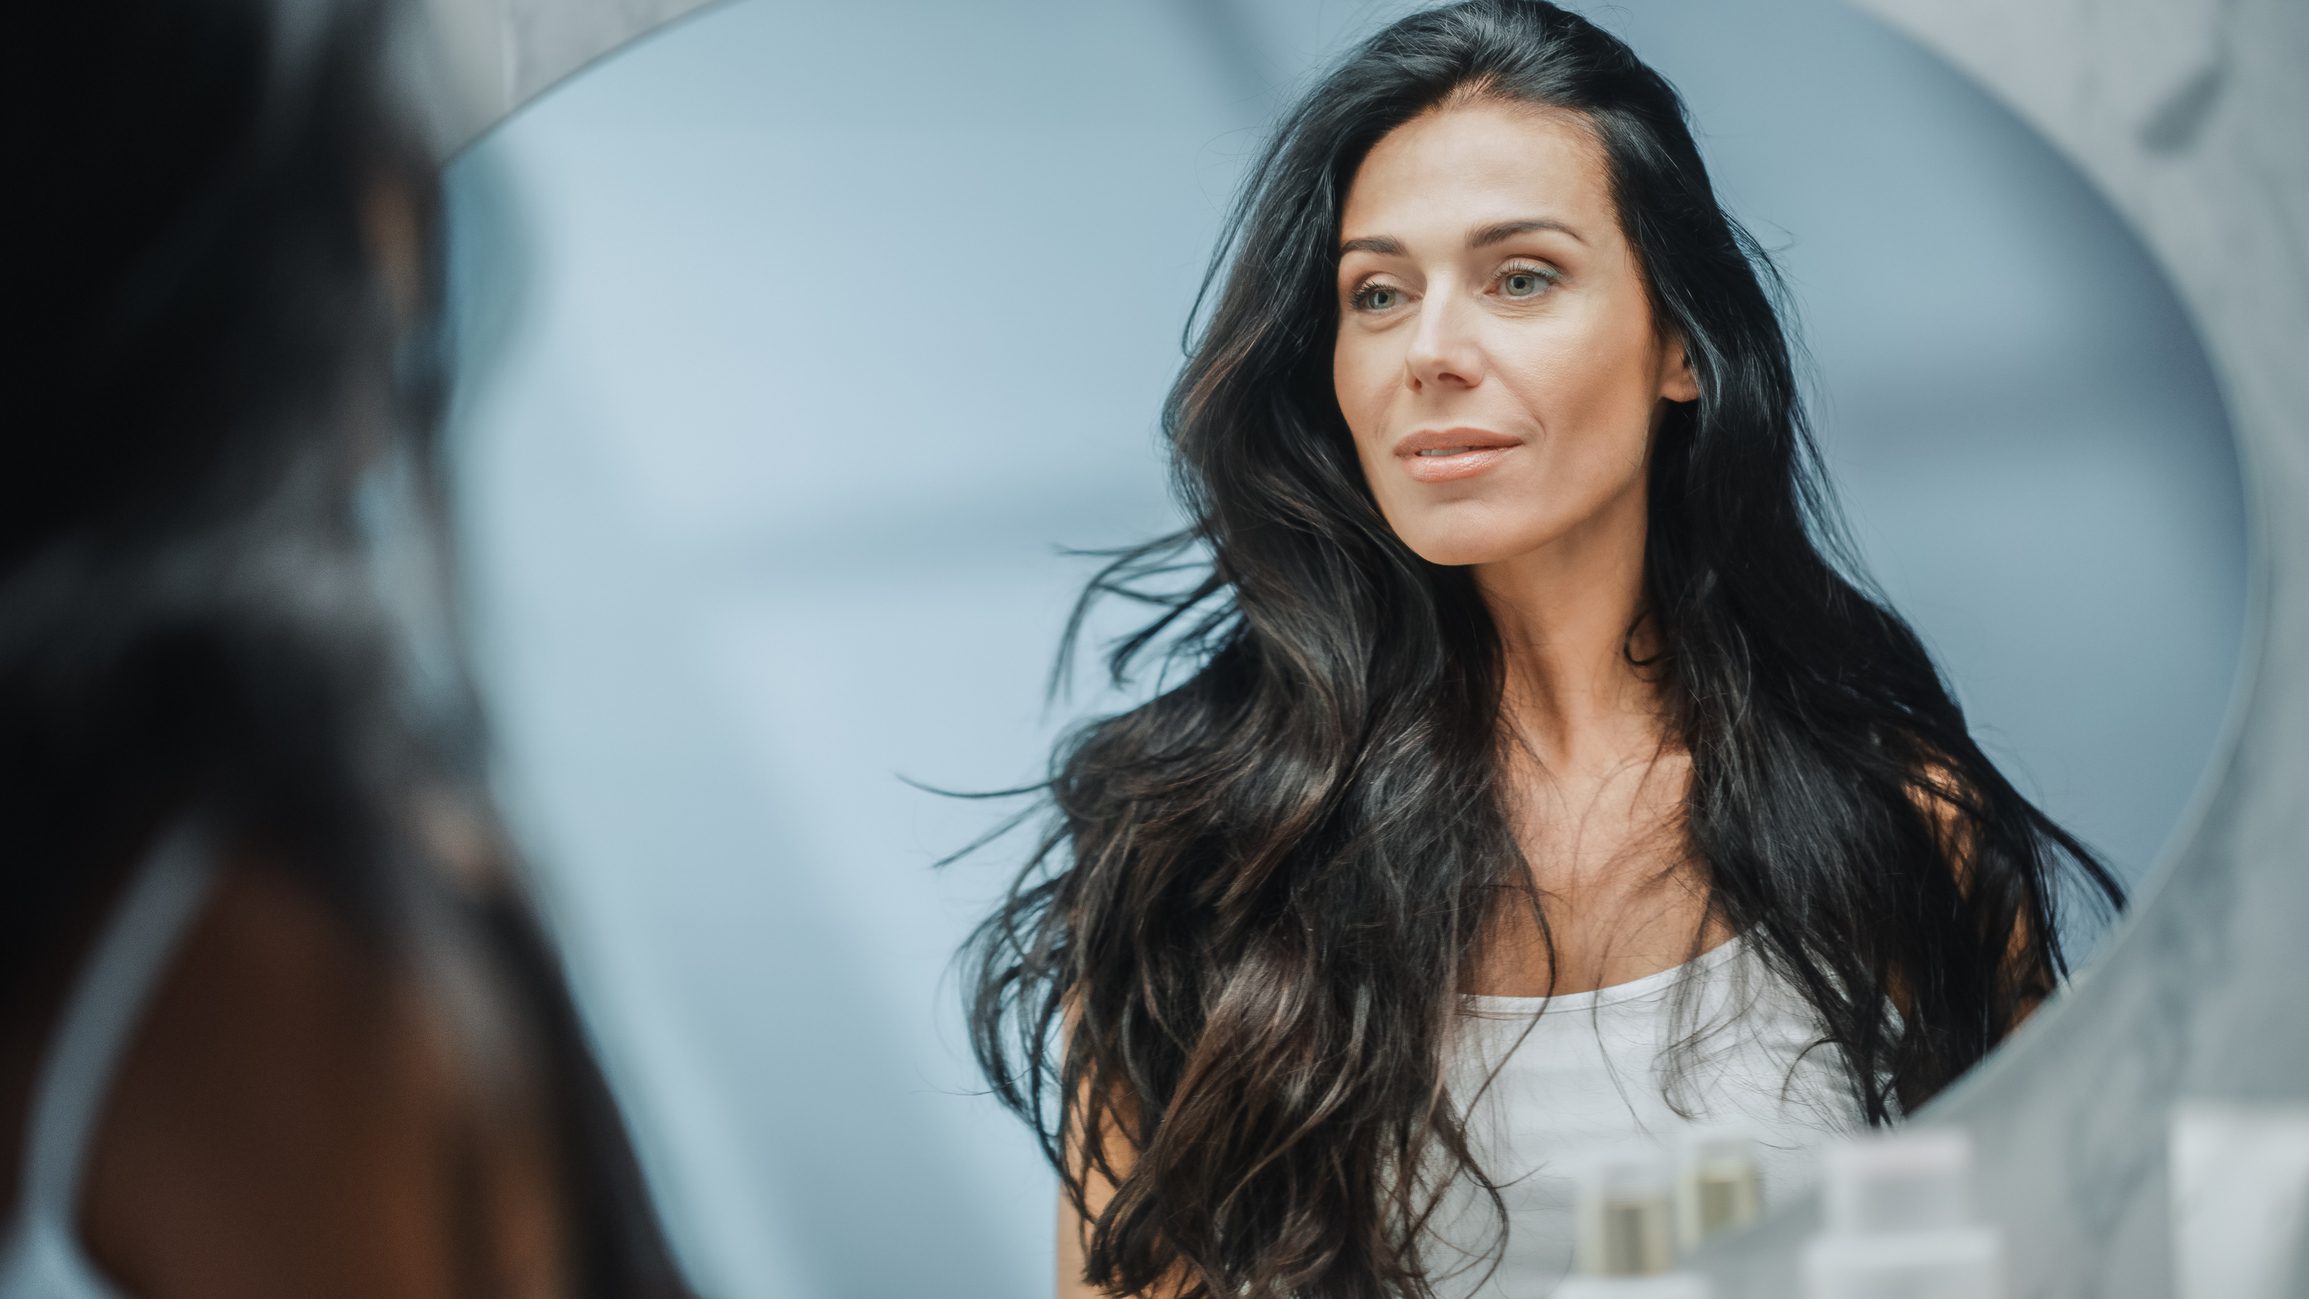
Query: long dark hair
x,y
1237,950
228,284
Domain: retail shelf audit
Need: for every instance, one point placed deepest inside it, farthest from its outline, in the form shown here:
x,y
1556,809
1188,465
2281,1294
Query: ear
x,y
1677,382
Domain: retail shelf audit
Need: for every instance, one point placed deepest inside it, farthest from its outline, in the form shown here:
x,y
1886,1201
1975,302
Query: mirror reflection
x,y
1630,668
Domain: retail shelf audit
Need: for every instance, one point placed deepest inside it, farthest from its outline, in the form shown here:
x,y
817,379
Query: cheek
x,y
1359,384
1590,386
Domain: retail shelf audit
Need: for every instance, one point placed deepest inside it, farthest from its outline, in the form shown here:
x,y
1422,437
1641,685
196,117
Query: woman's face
x,y
1496,358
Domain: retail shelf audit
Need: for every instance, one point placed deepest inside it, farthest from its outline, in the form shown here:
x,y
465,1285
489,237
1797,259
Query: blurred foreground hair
x,y
223,510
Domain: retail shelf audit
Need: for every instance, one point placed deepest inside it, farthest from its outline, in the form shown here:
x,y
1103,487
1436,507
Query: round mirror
x,y
829,327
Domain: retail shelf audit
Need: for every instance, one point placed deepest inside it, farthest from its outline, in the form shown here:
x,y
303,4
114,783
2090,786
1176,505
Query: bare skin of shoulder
x,y
291,1119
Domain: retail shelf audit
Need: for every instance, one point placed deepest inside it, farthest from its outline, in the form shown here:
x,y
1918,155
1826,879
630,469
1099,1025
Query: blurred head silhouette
x,y
229,300
223,601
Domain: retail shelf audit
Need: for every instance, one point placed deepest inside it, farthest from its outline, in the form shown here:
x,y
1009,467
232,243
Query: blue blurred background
x,y
799,338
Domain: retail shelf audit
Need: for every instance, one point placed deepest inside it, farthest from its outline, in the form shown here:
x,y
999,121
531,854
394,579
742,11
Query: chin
x,y
1461,547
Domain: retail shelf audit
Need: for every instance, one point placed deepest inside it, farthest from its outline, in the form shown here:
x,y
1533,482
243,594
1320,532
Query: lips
x,y
1448,440
1444,455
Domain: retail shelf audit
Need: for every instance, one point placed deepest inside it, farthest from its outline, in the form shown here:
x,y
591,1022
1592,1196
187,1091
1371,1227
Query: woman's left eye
x,y
1525,281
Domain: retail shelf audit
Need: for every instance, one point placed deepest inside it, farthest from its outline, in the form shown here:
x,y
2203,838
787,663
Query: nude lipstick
x,y
1449,454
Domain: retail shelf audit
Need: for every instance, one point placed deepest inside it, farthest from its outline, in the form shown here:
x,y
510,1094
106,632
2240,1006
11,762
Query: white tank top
x,y
1594,1071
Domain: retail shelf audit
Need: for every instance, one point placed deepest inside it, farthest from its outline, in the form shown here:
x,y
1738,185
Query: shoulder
x,y
1950,803
297,1116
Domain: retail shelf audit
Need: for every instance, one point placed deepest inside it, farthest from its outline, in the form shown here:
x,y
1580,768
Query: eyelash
x,y
1548,275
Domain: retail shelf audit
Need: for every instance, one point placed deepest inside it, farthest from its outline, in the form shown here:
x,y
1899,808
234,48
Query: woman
x,y
1517,687
275,1019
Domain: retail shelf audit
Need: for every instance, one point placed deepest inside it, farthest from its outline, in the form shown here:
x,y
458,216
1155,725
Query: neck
x,y
1563,613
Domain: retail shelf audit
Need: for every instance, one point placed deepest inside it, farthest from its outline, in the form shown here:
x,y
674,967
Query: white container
x,y
1625,1215
1949,1263
2240,1200
1900,1223
1719,1185
1665,1285
1625,1220
1910,1181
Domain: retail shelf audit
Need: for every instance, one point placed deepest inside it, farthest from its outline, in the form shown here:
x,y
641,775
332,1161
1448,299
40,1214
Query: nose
x,y
1443,350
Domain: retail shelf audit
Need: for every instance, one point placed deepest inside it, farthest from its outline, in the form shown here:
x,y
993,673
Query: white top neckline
x,y
1493,1005
1546,1083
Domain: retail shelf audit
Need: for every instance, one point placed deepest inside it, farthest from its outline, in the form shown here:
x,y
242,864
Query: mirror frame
x,y
2184,113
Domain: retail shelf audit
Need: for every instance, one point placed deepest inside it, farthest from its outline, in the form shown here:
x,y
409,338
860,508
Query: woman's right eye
x,y
1374,297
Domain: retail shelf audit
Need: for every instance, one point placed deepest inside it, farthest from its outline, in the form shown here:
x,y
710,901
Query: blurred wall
x,y
803,335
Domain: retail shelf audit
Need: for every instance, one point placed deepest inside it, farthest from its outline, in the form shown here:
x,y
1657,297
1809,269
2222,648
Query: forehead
x,y
1451,168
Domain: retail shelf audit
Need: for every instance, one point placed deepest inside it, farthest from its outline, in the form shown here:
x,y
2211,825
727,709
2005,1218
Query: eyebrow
x,y
1480,237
